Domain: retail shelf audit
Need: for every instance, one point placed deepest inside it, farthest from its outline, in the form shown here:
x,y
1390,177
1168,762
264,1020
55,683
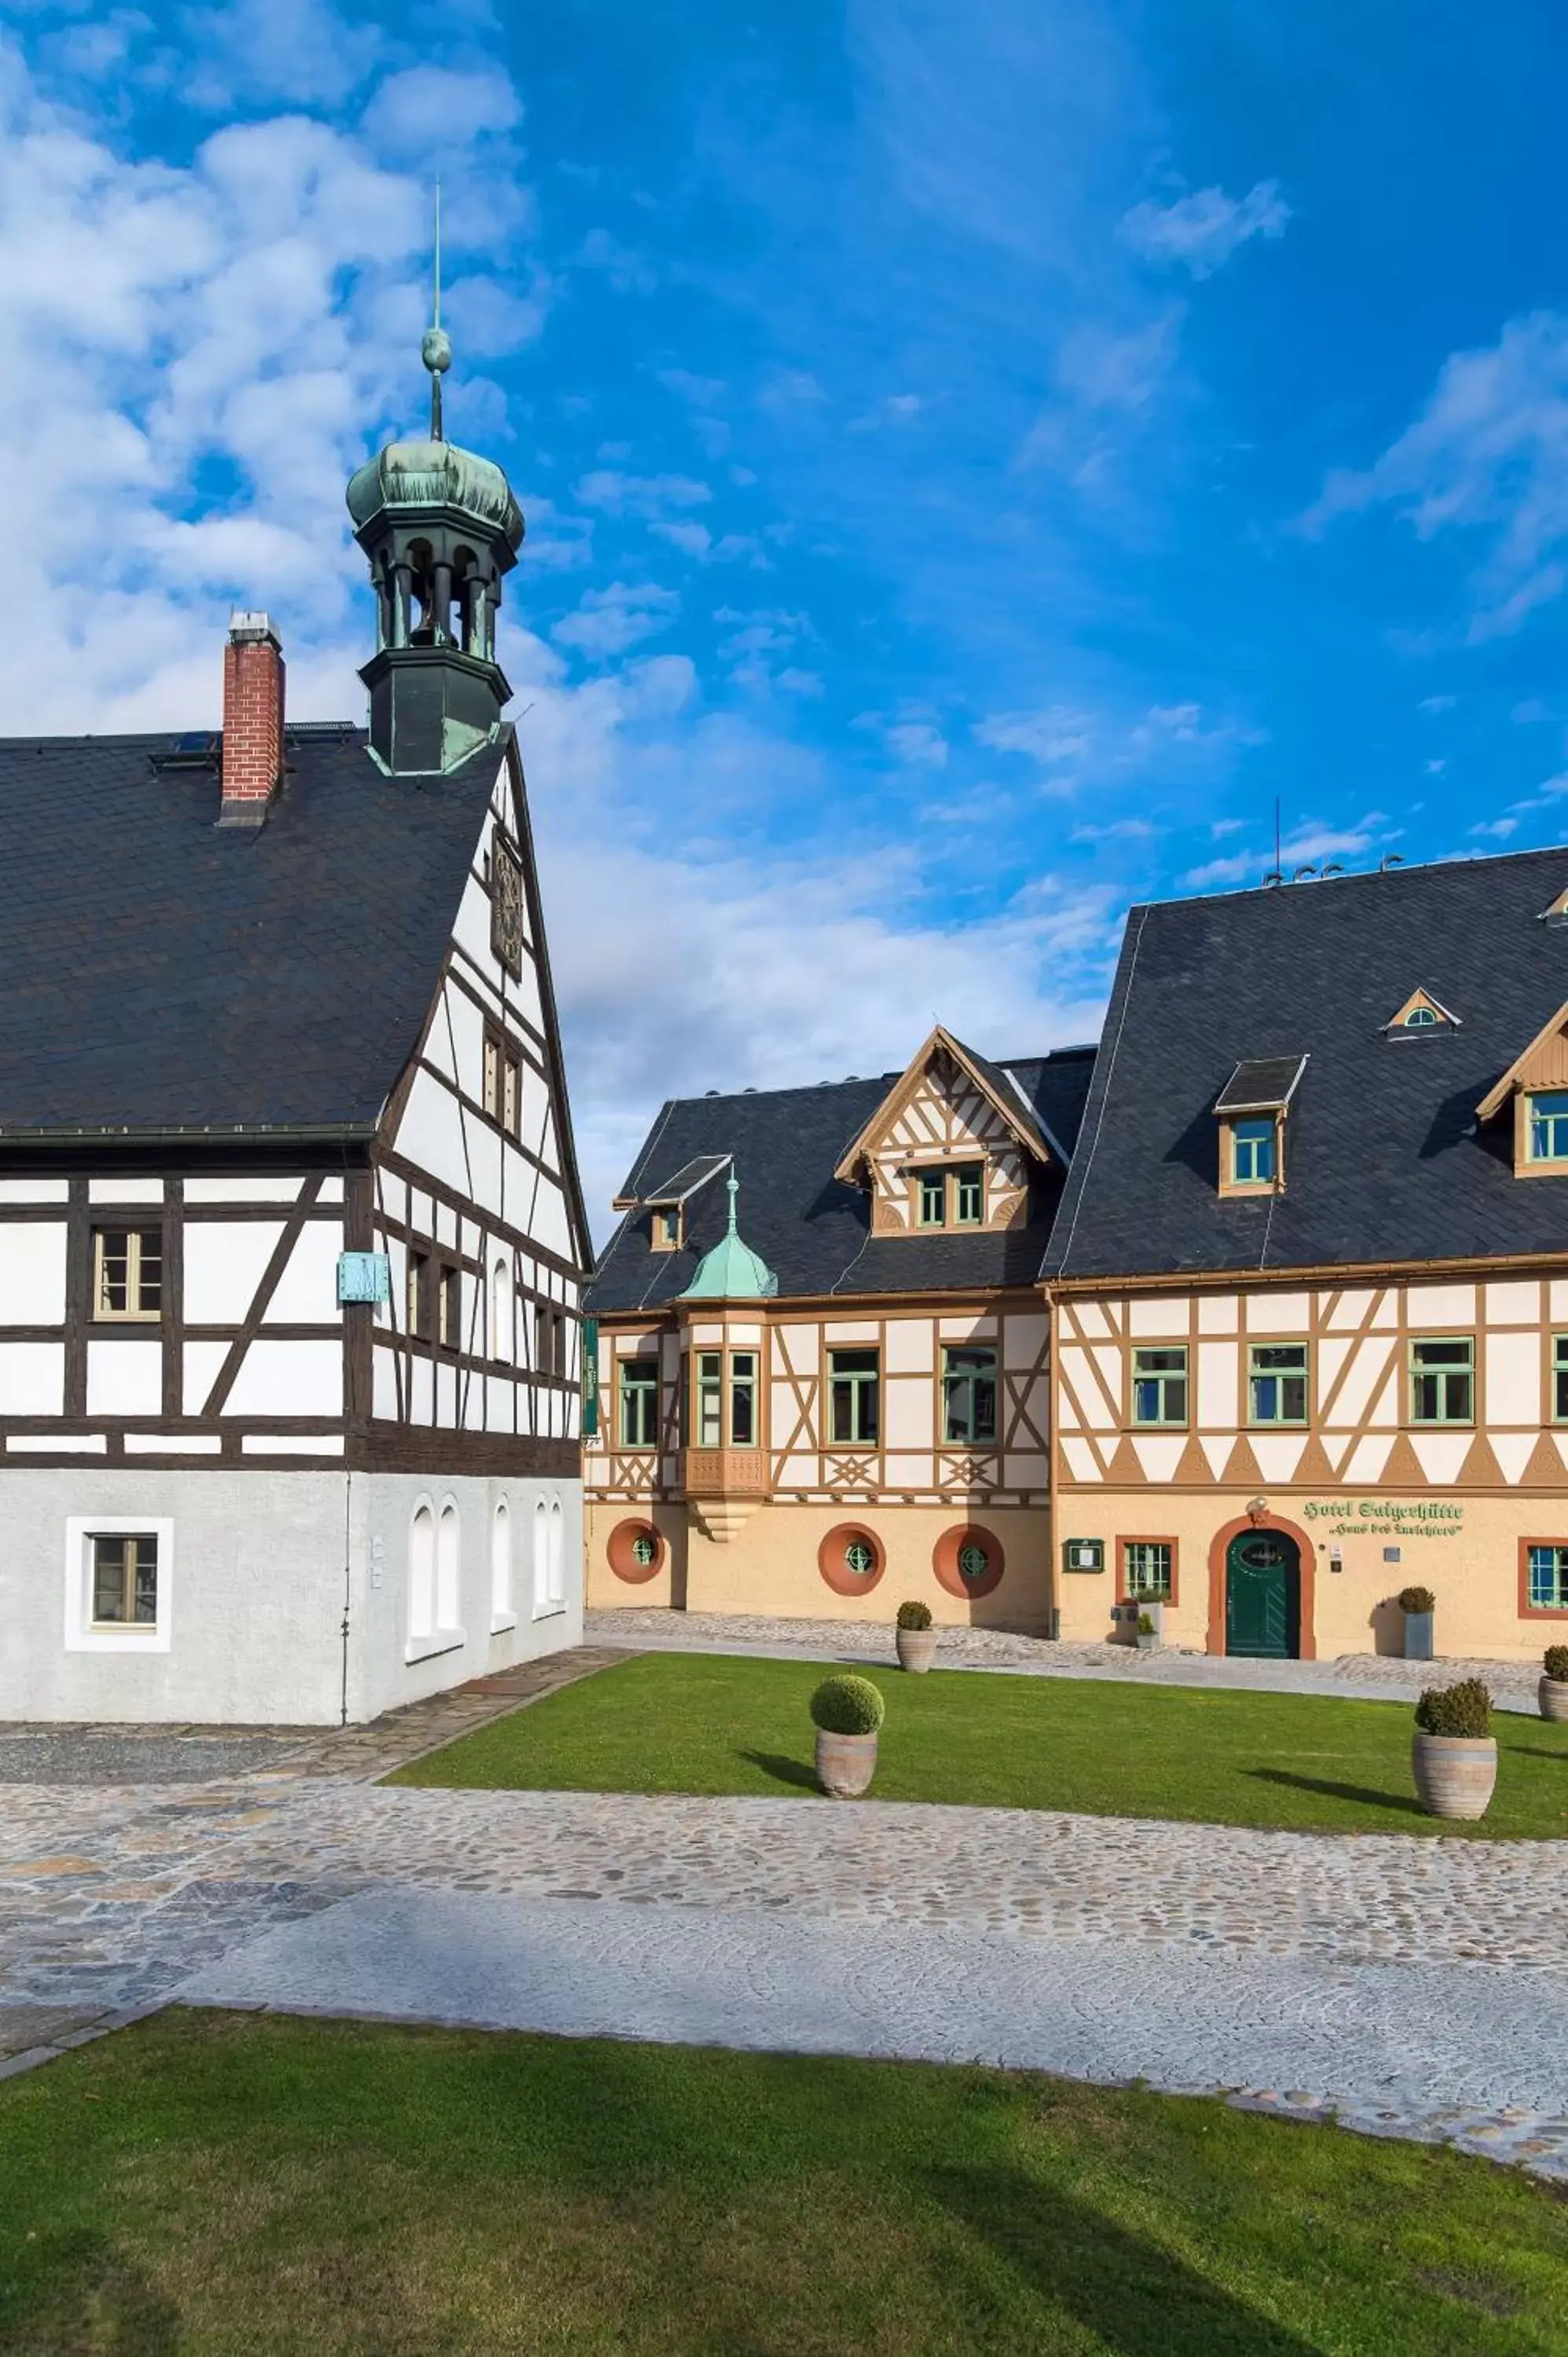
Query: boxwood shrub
x,y
847,1706
1555,1662
1417,1599
1462,1710
914,1614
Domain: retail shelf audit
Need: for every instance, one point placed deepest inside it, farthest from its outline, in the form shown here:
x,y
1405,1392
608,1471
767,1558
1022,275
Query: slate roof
x,y
809,1228
1383,1156
161,974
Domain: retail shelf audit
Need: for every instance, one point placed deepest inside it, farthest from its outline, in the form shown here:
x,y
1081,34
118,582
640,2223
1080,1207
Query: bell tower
x,y
441,529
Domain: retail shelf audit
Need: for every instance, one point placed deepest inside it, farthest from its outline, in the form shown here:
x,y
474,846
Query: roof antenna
x,y
436,347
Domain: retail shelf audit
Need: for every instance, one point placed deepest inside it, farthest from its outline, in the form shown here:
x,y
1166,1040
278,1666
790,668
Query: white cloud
x,y
1488,454
1117,830
433,109
918,745
639,495
701,391
1496,830
1203,231
1058,733
627,272
1437,703
609,621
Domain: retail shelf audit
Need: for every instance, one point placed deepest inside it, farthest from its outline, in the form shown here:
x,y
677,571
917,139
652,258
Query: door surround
x,y
1306,1646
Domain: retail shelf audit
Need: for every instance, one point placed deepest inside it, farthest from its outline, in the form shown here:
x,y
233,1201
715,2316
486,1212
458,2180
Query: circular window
x,y
851,1559
1263,1555
636,1551
969,1561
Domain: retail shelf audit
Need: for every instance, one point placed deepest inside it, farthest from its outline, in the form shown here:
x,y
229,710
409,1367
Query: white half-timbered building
x,y
291,1235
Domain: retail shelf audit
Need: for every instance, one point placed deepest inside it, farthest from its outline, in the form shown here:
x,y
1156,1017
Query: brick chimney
x,y
253,719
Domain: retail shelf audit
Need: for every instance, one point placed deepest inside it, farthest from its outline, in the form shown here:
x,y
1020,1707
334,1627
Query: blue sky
x,y
976,458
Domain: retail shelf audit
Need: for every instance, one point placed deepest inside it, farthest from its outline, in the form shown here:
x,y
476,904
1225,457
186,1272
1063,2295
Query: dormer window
x,y
1422,1013
952,1196
1251,1109
1548,1126
1253,1155
667,1225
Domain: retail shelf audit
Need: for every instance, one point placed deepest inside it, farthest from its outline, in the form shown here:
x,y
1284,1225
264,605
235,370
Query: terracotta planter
x,y
916,1649
1552,1695
845,1764
1454,1774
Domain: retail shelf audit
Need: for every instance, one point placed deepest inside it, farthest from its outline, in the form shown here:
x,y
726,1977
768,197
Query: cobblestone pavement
x,y
1368,2046
70,1754
115,1899
1368,1676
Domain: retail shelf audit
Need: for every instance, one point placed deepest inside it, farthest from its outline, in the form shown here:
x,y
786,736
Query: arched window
x,y
501,1564
541,1566
448,1569
502,1343
555,1593
422,1573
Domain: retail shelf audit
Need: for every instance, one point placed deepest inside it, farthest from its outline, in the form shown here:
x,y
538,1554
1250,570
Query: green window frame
x,y
1548,1574
709,1421
933,1202
1146,1570
1560,1379
1443,1379
1549,1125
969,1195
1159,1384
1420,1018
743,1399
1276,1382
639,1380
968,1396
854,1382
1252,1162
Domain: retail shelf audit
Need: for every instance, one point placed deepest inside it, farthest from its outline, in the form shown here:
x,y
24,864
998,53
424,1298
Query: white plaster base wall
x,y
253,1570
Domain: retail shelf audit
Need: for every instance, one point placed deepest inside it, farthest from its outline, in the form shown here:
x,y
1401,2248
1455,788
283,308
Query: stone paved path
x,y
1367,1677
1369,2044
114,1901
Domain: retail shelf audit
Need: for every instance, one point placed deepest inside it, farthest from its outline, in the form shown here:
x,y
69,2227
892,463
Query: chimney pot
x,y
253,719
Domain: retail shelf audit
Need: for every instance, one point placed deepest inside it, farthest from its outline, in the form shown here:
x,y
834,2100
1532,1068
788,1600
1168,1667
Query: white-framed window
x,y
555,1583
119,1583
450,1568
503,1339
422,1572
540,1565
502,1616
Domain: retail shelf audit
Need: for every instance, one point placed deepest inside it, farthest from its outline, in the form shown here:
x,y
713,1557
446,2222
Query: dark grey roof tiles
x,y
160,974
812,1229
1383,1156
687,1181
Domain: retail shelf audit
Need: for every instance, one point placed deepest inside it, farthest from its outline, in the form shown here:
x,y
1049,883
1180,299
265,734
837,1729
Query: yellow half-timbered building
x,y
1247,1321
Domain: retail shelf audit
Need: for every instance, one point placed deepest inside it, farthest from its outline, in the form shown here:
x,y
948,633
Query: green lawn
x,y
704,1723
214,2185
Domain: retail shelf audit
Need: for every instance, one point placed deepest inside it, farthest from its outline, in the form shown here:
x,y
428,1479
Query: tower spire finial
x,y
435,348
731,1188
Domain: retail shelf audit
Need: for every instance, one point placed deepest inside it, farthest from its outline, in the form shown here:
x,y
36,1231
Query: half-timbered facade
x,y
1309,1276
291,1236
857,1397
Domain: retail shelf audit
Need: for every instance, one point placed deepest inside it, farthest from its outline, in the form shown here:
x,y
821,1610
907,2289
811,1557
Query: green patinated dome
x,y
435,475
732,1271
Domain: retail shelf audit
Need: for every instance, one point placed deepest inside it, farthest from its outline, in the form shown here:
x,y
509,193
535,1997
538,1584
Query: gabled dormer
x,y
1423,1016
1537,1085
1252,1110
955,1146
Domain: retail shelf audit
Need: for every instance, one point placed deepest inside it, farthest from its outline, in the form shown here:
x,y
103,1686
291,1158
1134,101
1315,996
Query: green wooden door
x,y
1263,1596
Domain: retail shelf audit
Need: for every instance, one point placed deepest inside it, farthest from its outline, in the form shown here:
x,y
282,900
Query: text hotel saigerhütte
x,y
1353,1518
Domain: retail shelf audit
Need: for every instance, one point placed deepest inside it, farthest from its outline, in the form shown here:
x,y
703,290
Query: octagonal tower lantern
x,y
441,529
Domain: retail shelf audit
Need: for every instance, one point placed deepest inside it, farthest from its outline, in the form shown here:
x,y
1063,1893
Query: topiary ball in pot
x,y
1453,1756
1553,1691
915,1637
846,1712
1417,1599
